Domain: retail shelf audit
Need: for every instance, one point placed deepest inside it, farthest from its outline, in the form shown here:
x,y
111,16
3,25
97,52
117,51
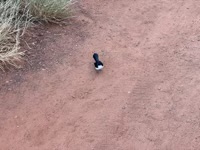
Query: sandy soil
x,y
146,98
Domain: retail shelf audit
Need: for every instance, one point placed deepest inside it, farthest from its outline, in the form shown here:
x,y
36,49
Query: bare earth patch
x,y
146,98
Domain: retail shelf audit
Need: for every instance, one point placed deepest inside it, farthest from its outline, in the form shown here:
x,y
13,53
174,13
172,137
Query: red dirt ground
x,y
146,98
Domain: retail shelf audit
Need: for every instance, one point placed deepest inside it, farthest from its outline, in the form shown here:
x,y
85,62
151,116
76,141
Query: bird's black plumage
x,y
98,64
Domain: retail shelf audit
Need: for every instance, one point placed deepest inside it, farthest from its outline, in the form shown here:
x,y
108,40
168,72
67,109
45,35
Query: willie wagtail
x,y
98,64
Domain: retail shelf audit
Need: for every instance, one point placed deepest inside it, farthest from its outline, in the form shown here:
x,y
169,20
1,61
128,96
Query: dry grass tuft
x,y
10,23
50,10
16,16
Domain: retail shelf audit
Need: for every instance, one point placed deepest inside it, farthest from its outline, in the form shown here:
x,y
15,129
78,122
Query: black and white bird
x,y
98,64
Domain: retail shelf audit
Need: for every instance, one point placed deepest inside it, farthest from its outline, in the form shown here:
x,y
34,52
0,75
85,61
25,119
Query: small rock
x,y
40,34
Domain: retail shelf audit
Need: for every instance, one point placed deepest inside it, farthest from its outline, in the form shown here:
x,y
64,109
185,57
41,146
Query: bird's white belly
x,y
100,67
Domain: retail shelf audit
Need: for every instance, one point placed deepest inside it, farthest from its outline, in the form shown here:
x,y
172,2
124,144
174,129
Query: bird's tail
x,y
96,57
